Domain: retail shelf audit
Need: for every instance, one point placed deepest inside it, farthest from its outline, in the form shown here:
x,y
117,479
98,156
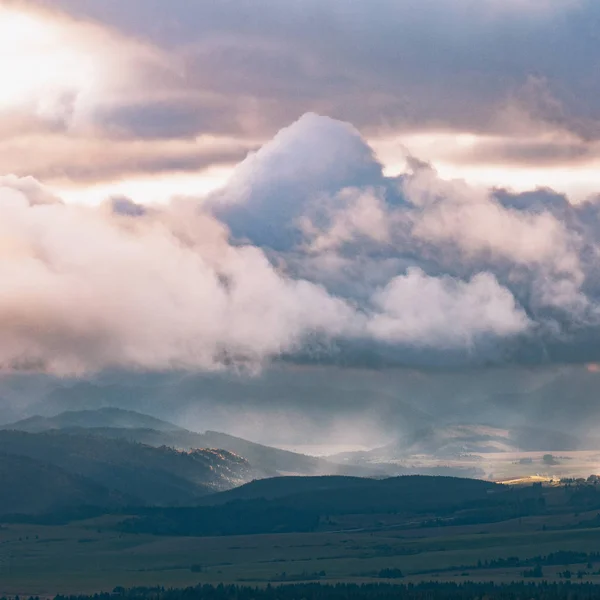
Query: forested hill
x,y
145,475
31,486
355,494
116,423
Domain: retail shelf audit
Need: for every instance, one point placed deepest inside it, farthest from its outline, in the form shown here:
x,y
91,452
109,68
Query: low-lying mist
x,y
334,409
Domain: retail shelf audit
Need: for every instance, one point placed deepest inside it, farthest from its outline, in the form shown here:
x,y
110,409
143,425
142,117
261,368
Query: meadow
x,y
90,556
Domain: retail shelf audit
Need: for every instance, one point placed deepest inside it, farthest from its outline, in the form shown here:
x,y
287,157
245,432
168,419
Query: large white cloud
x,y
442,312
308,250
86,289
358,234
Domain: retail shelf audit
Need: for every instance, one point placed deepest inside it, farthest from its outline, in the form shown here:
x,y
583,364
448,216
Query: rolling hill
x,y
145,474
283,487
296,504
30,486
337,495
119,424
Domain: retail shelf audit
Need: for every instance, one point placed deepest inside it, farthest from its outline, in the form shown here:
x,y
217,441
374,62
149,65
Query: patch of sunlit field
x,y
505,466
88,556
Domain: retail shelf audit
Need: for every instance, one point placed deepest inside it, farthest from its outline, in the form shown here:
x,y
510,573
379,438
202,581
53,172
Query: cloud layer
x,y
516,79
310,253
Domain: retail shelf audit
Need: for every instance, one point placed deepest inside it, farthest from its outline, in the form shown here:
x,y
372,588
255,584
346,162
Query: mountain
x,y
292,405
102,417
147,475
275,461
30,486
265,460
115,423
452,441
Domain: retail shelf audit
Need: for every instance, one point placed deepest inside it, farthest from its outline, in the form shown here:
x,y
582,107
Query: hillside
x,y
283,487
307,503
265,460
115,423
30,486
149,475
275,461
353,494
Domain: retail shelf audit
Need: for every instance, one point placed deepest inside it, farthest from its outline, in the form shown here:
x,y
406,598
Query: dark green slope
x,y
148,474
305,503
116,423
29,486
265,460
352,494
276,488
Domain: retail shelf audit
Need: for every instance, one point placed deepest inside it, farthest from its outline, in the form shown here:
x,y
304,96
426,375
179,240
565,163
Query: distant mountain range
x,y
290,406
138,473
131,426
102,417
454,441
113,457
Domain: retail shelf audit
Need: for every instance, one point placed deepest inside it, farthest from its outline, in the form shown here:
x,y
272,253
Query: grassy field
x,y
501,466
88,556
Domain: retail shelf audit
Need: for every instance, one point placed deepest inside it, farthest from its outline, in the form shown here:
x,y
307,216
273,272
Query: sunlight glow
x,y
148,190
446,153
38,62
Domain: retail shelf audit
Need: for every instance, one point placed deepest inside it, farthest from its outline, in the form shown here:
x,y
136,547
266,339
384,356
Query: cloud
x,y
351,62
473,222
86,289
351,216
309,252
272,187
443,312
85,160
358,232
122,75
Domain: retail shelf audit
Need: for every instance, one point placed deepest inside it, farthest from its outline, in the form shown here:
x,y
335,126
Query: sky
x,y
221,186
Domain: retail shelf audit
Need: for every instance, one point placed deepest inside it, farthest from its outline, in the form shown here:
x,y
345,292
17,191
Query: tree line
x,y
348,591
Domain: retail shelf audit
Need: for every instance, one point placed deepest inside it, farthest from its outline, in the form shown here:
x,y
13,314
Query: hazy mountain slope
x,y
265,461
136,427
102,417
452,441
30,486
274,460
302,405
151,475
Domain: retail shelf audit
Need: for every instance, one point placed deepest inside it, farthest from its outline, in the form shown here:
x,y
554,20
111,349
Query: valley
x,y
96,499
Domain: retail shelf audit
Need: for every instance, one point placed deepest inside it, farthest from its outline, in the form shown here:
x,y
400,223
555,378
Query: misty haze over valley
x,y
394,420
